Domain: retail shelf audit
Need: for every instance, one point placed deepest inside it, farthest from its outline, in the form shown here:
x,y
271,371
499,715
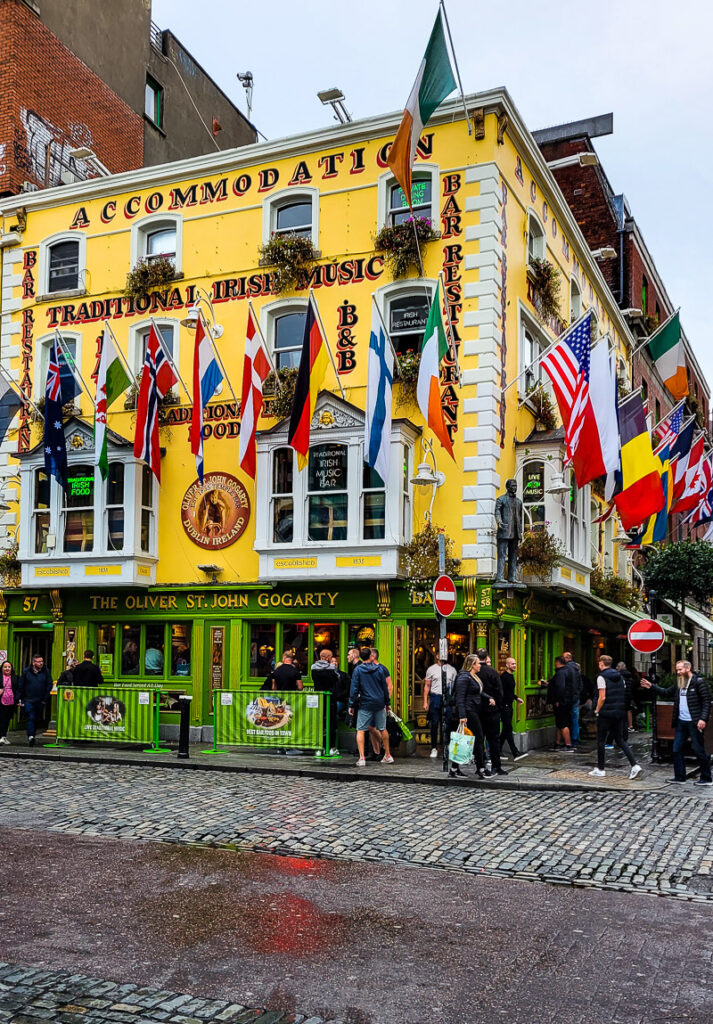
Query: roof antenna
x,y
246,80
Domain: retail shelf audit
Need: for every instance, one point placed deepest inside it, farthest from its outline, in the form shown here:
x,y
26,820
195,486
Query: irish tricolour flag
x,y
434,82
112,380
428,389
667,350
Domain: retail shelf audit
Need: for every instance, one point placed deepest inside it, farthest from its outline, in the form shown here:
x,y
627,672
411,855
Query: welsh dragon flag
x,y
112,380
428,388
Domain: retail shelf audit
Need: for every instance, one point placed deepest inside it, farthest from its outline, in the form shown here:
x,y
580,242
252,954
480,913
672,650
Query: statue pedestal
x,y
506,585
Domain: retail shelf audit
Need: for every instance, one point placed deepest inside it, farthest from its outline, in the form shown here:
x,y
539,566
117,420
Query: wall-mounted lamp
x,y
427,476
575,160
212,570
607,252
191,318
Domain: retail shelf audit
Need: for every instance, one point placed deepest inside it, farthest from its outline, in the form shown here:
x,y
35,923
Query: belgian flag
x,y
310,378
642,493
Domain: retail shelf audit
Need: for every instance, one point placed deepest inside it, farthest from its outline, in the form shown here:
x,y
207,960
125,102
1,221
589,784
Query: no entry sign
x,y
444,596
646,636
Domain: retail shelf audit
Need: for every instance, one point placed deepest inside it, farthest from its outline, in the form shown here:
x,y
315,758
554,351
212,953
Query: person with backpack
x,y
611,716
691,711
370,689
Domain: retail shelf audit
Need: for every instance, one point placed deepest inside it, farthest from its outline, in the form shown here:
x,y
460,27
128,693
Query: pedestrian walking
x,y
326,680
629,684
433,697
611,716
470,695
559,695
575,678
691,711
86,673
507,680
35,690
370,689
9,696
491,714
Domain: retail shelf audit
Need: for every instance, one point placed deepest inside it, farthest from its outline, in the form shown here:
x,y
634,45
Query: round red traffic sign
x,y
646,636
445,596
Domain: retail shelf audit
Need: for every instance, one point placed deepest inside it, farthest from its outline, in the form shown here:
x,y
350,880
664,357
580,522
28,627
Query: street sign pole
x,y
654,711
443,647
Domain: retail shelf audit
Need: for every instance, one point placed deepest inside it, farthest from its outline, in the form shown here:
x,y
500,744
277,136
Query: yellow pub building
x,y
201,587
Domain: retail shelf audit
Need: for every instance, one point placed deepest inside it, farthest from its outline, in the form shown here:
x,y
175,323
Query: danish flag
x,y
256,367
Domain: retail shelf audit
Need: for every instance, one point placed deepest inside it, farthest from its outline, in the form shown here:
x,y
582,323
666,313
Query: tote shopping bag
x,y
460,749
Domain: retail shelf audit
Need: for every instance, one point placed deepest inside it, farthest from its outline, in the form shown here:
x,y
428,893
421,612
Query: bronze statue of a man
x,y
508,516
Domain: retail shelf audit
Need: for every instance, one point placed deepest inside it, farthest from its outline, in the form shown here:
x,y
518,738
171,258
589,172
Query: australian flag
x,y
54,441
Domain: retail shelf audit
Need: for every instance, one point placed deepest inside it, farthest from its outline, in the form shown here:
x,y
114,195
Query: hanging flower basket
x,y
540,553
400,246
10,566
280,393
292,256
148,275
407,379
611,587
68,409
542,408
419,560
547,282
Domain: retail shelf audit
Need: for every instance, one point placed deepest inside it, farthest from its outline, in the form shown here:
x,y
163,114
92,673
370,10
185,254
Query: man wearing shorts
x,y
369,687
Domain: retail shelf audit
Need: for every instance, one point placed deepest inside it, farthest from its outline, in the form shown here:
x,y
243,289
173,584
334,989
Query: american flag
x,y
157,379
567,366
669,428
53,438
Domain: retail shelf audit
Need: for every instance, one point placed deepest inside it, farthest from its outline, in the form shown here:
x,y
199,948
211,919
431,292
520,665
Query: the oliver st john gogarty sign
x,y
250,600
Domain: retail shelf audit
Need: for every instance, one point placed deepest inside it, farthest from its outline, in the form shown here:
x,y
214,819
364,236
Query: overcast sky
x,y
647,61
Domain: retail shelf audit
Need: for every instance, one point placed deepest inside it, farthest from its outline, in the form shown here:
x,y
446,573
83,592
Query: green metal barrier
x,y
109,714
270,719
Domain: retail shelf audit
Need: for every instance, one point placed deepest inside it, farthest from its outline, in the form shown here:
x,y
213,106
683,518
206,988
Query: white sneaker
x,y
518,757
361,763
387,760
5,741
434,753
333,751
636,770
599,773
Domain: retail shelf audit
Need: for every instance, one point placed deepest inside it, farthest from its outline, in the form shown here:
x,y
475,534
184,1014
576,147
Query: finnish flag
x,y
380,377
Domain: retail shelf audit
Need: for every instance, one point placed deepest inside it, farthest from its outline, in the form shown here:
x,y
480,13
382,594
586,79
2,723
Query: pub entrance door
x,y
28,642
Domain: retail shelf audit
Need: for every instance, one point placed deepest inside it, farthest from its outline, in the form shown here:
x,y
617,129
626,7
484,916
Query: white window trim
x,y
140,228
43,344
574,286
526,320
270,312
411,286
387,179
532,216
296,194
135,330
44,268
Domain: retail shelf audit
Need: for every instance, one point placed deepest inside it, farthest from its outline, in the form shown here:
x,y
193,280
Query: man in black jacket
x,y
490,714
507,679
575,676
35,690
611,716
691,710
86,673
559,695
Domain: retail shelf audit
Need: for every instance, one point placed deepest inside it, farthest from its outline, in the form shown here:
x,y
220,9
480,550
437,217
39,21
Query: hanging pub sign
x,y
215,513
534,484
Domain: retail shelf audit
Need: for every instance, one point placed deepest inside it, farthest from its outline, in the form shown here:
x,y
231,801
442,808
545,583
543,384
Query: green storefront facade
x,y
200,639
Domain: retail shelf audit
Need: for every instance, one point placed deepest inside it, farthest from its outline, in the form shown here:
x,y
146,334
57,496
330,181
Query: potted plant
x,y
611,587
419,560
540,553
148,275
408,364
10,566
292,256
280,392
541,408
547,283
401,244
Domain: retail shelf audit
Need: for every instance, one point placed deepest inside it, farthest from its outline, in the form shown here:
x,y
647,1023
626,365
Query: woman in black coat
x,y
469,695
9,696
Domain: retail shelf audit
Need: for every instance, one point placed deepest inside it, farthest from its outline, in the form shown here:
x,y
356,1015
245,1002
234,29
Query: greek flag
x,y
380,375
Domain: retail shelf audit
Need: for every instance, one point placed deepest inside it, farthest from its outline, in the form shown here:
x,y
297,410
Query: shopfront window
x,y
41,514
79,509
181,649
295,637
262,649
106,641
326,635
374,505
537,656
361,634
130,650
282,500
115,507
154,651
328,498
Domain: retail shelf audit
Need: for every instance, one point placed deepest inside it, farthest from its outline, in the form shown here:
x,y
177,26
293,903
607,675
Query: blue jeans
x,y
575,723
684,730
33,710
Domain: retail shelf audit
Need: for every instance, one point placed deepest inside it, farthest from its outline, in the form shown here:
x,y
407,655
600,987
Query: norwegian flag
x,y
157,379
256,367
669,428
53,438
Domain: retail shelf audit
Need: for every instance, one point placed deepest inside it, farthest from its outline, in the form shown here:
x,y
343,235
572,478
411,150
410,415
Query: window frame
x,y
386,294
141,229
136,343
385,181
575,292
159,92
271,313
46,246
541,235
285,197
43,344
528,323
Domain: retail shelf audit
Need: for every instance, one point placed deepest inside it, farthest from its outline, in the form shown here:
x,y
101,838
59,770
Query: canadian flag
x,y
687,490
256,367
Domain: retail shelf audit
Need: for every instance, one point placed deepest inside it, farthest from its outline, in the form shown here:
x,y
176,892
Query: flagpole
x,y
663,419
546,351
132,376
256,321
455,61
71,363
326,342
450,328
169,357
217,356
658,330
394,353
16,388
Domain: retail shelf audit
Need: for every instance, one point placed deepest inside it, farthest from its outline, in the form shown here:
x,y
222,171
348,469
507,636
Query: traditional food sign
x,y
216,512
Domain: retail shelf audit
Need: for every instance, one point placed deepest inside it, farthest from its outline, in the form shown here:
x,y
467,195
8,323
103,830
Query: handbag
x,y
460,748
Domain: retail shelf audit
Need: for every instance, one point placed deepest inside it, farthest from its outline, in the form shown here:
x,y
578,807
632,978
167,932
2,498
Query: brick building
x,y
84,85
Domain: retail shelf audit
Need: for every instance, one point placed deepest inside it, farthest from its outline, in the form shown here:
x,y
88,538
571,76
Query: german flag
x,y
310,378
642,493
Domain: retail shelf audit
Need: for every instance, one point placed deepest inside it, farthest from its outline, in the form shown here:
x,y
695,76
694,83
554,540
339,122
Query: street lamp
x,y
191,318
427,476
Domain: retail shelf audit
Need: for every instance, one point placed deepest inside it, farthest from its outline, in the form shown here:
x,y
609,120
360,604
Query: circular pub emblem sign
x,y
215,513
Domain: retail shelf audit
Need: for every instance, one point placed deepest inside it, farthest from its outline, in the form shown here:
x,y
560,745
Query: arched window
x,y
156,236
293,218
292,211
407,316
62,263
533,493
288,336
421,199
575,300
536,243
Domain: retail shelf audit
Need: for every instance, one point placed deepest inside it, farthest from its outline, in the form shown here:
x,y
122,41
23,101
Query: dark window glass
x,y
262,649
153,101
282,471
79,503
295,637
154,652
130,650
294,218
181,649
408,316
64,266
289,332
420,201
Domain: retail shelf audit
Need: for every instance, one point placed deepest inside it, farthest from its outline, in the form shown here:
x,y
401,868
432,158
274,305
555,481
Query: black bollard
x,y
184,728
